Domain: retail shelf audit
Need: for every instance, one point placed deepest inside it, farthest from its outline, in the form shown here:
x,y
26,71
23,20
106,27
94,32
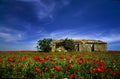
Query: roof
x,y
83,41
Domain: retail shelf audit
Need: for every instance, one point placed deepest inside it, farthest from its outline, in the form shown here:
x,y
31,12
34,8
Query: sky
x,y
24,22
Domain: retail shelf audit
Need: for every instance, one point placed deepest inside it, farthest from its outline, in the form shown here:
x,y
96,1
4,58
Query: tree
x,y
68,44
45,44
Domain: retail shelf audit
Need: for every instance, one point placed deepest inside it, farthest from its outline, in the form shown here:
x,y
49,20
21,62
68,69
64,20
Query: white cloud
x,y
76,34
9,35
30,45
28,0
46,8
111,38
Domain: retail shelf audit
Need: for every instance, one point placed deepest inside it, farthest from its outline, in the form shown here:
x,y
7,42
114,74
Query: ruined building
x,y
83,45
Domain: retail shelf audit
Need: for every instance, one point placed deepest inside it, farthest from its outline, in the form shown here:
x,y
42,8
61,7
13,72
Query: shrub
x,y
68,44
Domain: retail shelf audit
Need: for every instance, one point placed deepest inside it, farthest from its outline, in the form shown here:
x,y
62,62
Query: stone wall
x,y
84,45
100,47
85,48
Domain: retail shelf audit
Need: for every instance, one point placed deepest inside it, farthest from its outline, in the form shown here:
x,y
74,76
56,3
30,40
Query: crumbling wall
x,y
84,45
85,48
53,47
60,49
100,47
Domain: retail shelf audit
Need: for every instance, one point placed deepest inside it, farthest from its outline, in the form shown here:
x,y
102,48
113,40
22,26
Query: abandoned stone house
x,y
83,45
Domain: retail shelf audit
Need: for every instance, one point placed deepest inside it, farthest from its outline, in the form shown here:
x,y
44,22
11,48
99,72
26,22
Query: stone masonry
x,y
84,45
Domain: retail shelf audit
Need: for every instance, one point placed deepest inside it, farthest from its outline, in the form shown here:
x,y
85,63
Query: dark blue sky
x,y
24,22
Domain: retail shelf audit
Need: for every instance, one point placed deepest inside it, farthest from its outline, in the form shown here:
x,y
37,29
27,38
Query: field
x,y
59,65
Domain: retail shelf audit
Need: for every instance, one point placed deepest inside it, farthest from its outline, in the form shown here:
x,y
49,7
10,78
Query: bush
x,y
68,44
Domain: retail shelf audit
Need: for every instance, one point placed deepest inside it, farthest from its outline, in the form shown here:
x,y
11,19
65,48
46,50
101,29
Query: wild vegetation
x,y
47,43
60,65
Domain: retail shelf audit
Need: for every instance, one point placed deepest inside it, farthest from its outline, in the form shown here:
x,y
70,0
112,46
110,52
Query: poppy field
x,y
59,65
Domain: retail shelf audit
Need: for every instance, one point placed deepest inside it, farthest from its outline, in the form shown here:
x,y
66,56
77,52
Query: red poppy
x,y
39,73
11,60
80,61
114,73
46,58
11,65
55,61
88,59
17,61
61,56
25,57
57,68
118,73
68,60
113,62
70,55
97,61
100,69
36,69
78,56
109,70
22,65
70,65
37,58
67,67
29,62
72,76
0,60
92,70
46,69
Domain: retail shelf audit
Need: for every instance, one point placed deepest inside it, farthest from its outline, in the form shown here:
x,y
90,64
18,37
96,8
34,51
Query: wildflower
x,y
67,67
37,58
118,73
109,70
114,73
29,62
68,60
80,61
14,57
39,73
57,68
25,57
22,65
0,60
99,69
70,65
92,70
11,65
113,62
17,61
72,76
36,69
46,69
55,61
88,59
46,58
